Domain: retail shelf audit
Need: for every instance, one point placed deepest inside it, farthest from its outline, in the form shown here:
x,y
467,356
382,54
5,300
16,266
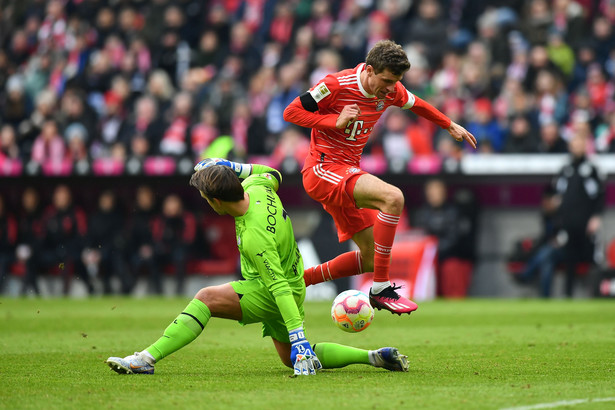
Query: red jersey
x,y
344,88
329,97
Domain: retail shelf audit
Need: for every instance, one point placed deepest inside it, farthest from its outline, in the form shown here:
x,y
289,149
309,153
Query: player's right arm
x,y
303,111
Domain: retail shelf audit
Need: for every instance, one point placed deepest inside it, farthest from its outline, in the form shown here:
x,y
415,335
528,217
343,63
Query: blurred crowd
x,y
87,79
123,237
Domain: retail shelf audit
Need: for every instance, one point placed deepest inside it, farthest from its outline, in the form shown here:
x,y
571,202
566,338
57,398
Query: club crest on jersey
x,y
353,170
380,105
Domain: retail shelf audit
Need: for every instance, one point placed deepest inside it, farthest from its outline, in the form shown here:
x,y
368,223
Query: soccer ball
x,y
351,311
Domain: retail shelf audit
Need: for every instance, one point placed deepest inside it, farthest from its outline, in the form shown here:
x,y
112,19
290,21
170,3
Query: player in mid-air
x,y
273,288
342,110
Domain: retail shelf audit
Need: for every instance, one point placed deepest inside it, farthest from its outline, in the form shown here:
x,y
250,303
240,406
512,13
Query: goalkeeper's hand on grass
x,y
242,170
302,356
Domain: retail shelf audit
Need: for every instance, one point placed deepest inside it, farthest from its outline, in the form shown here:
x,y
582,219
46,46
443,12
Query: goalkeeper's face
x,y
215,204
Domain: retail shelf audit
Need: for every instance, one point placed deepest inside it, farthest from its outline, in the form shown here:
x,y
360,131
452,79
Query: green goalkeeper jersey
x,y
267,245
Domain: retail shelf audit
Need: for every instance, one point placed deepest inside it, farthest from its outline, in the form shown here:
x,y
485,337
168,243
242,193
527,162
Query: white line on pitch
x,y
560,404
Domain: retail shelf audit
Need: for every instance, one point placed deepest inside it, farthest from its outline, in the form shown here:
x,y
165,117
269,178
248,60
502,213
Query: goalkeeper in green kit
x,y
273,288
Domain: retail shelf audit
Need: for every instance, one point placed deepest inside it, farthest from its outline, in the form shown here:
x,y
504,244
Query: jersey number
x,y
354,128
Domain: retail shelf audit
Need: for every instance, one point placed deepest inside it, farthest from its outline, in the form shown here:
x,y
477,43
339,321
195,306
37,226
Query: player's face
x,y
215,205
382,83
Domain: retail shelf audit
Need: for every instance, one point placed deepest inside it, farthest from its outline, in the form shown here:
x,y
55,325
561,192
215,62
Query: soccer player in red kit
x,y
342,110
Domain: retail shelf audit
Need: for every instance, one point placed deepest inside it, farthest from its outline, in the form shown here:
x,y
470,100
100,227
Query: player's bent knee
x,y
206,295
395,200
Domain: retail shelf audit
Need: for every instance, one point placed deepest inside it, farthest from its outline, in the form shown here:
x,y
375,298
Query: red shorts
x,y
332,185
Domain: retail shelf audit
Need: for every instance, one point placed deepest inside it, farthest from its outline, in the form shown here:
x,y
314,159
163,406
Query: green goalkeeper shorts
x,y
258,306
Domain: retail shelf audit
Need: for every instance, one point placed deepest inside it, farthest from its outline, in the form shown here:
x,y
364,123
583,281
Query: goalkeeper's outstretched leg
x,y
333,356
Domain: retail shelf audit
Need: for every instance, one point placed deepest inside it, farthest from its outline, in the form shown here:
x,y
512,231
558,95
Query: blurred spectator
x,y
395,139
174,232
65,227
581,188
426,29
30,128
37,74
242,48
282,24
140,243
288,88
8,143
321,22
560,53
291,150
210,53
174,139
537,21
142,132
569,19
222,98
76,137
204,132
521,138
111,123
104,244
29,239
605,134
8,238
75,110
14,106
353,26
602,38
105,25
484,127
444,220
551,141
601,92
547,249
160,87
550,97
49,146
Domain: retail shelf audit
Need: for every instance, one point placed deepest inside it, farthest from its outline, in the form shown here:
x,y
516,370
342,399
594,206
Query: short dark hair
x,y
387,55
218,181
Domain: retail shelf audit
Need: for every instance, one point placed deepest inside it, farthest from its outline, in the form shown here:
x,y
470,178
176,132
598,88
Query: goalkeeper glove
x,y
242,170
302,356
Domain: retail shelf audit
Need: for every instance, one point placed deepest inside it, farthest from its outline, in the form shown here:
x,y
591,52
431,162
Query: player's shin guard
x,y
333,355
183,330
346,264
384,234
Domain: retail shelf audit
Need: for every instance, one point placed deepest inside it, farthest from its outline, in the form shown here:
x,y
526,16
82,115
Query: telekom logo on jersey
x,y
355,128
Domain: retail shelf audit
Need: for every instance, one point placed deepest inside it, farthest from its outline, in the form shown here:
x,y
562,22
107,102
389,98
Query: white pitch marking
x,y
561,403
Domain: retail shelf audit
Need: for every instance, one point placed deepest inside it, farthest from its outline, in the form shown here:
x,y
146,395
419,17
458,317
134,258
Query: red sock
x,y
384,234
347,264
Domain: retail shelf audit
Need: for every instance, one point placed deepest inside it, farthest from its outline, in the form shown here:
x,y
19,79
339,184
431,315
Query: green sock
x,y
332,355
184,329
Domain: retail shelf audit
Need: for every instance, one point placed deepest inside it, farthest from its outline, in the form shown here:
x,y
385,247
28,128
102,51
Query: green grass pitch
x,y
479,354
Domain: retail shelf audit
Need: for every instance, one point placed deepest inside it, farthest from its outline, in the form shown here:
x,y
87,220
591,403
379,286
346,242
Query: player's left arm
x,y
262,250
422,108
243,171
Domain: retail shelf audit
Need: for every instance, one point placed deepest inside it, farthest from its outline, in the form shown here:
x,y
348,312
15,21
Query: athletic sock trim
x,y
197,320
388,219
381,249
